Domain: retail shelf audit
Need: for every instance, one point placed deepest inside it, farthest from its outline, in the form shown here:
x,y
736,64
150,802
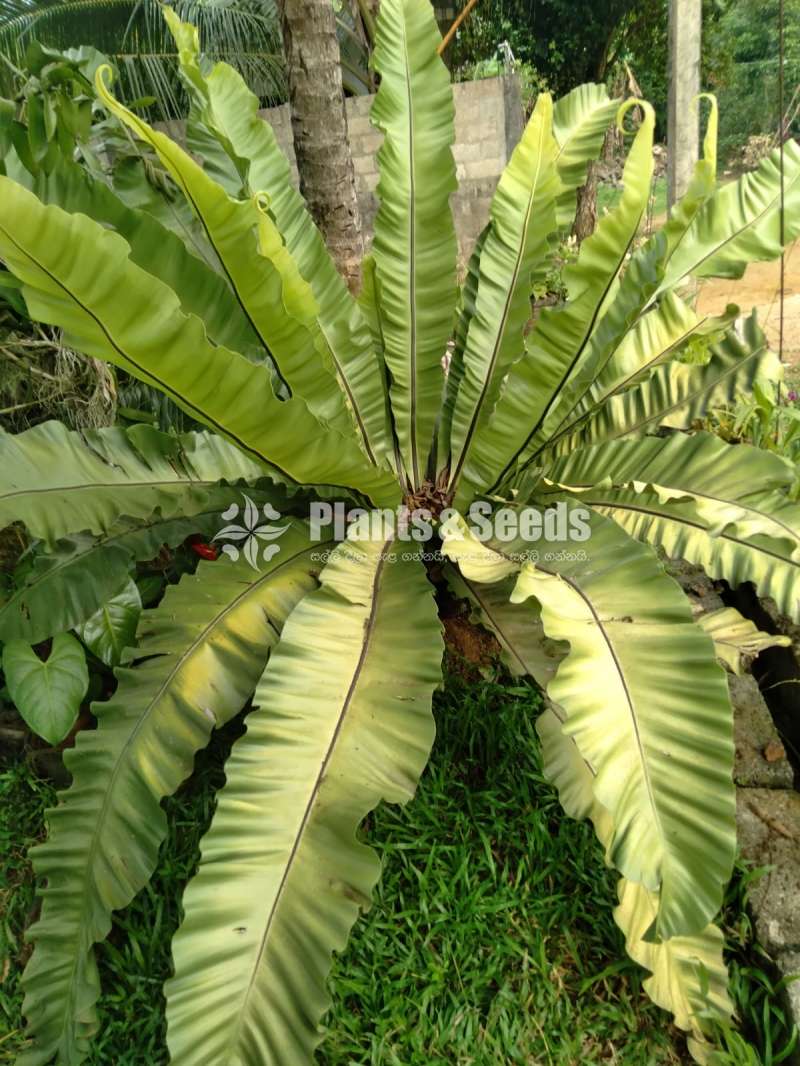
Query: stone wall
x,y
489,123
767,804
445,16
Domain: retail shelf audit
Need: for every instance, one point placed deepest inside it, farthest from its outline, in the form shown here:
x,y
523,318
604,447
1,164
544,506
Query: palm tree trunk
x,y
586,213
319,125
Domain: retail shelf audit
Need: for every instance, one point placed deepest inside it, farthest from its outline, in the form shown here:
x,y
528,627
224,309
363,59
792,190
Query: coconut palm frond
x,y
133,34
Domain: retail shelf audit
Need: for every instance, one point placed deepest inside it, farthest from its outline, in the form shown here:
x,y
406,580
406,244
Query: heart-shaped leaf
x,y
112,627
47,693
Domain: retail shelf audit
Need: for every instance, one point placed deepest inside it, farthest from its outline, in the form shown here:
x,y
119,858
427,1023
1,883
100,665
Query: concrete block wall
x,y
445,16
488,124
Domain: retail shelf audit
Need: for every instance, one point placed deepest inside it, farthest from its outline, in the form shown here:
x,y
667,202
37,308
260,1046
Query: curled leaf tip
x,y
103,80
710,139
711,97
629,105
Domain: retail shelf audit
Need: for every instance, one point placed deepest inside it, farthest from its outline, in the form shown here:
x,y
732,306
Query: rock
x,y
774,751
789,966
696,584
768,827
778,670
760,760
782,623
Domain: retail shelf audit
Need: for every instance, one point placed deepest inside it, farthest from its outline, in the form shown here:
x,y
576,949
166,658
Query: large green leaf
x,y
628,331
737,640
559,340
645,701
722,506
206,138
415,241
154,248
277,301
648,707
71,581
227,112
343,721
522,227
573,775
666,331
205,647
112,628
700,465
677,526
580,121
157,196
47,693
455,359
741,222
66,585
688,973
148,334
58,481
689,977
677,394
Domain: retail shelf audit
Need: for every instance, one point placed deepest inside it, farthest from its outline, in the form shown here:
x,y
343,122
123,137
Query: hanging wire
x,y
782,138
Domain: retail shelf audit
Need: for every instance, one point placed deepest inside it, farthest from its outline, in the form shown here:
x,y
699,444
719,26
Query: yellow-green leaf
x,y
342,721
415,241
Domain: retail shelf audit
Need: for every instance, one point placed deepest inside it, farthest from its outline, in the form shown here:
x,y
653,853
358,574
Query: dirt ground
x,y
760,288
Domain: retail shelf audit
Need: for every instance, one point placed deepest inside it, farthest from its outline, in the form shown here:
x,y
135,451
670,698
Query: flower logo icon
x,y
250,532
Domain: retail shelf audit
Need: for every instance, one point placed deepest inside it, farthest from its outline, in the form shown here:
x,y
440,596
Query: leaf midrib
x,y
182,400
689,398
620,386
641,747
105,807
412,263
128,483
518,452
369,628
620,505
501,329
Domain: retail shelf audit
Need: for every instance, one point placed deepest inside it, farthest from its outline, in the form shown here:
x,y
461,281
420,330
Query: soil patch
x,y
760,288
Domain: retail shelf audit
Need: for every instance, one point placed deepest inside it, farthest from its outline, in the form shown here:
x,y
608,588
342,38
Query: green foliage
x,y
748,88
308,394
769,419
47,693
566,43
739,63
53,99
52,124
112,628
134,35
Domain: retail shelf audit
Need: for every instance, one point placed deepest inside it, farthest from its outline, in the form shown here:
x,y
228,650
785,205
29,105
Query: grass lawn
x,y
491,940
